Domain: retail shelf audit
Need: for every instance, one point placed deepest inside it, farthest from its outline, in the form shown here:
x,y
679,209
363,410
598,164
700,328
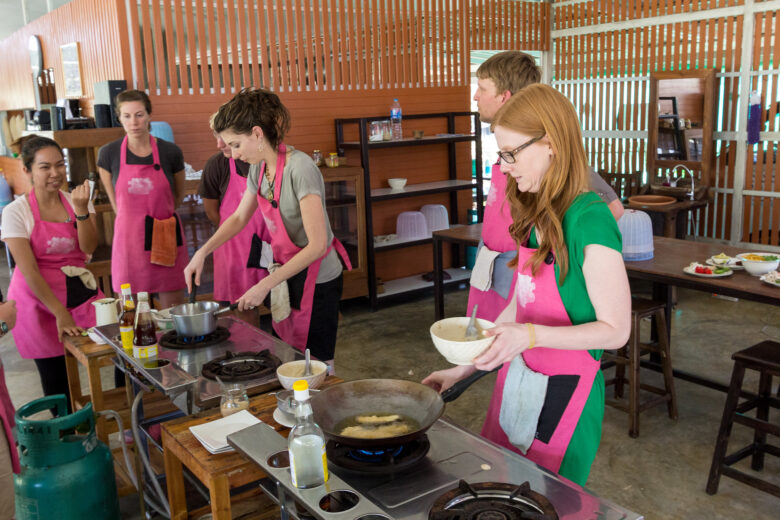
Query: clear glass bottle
x,y
234,399
316,155
127,320
306,443
145,340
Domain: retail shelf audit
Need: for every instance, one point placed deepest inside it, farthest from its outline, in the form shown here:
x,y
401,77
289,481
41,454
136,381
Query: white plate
x,y
213,435
765,278
690,270
282,418
732,264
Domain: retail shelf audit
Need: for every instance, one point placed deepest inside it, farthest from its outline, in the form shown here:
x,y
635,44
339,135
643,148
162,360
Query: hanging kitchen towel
x,y
164,242
503,274
482,273
754,117
280,298
85,275
80,285
521,403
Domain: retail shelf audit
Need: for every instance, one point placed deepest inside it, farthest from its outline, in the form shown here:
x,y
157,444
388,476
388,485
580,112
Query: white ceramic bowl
x,y
163,319
292,371
759,267
397,183
444,332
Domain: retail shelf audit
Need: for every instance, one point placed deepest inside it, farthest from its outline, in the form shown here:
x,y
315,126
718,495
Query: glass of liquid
x,y
234,399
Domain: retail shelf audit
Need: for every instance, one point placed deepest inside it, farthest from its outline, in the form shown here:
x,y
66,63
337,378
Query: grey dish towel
x,y
521,404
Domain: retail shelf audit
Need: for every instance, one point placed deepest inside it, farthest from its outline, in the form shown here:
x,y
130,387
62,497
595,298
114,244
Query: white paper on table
x,y
213,435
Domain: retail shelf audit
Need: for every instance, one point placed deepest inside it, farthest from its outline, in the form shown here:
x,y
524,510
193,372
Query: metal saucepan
x,y
422,403
197,319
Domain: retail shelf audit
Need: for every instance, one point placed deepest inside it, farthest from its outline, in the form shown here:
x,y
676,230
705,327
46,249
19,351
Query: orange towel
x,y
164,242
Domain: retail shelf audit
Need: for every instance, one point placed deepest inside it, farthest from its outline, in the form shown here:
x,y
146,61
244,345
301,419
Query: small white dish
x,y
213,435
772,278
691,269
733,264
397,183
283,419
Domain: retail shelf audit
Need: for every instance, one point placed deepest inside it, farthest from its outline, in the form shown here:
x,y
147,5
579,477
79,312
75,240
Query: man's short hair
x,y
510,70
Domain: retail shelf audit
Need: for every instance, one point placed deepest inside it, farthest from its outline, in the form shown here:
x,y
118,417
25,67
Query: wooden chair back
x,y
625,184
102,272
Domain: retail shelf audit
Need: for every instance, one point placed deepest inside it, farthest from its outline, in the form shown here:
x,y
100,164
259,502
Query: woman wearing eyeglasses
x,y
570,297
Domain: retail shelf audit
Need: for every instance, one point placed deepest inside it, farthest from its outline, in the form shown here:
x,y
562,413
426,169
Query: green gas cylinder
x,y
66,472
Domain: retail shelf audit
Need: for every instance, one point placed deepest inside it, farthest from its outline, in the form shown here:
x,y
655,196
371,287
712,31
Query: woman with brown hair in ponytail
x,y
571,298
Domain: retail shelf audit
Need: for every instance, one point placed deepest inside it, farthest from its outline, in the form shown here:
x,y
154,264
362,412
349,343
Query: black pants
x,y
54,376
325,318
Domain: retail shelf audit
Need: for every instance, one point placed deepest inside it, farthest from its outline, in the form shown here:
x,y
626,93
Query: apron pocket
x,y
295,286
76,292
256,258
559,392
149,232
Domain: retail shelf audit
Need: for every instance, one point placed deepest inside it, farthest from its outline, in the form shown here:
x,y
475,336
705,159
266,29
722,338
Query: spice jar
x,y
332,160
316,155
234,399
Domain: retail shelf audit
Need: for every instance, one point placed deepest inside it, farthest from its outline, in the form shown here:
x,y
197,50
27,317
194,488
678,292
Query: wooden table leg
x,y
96,395
670,224
74,379
174,477
219,492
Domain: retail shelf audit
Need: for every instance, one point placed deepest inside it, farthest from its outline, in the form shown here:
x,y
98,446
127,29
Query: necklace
x,y
270,181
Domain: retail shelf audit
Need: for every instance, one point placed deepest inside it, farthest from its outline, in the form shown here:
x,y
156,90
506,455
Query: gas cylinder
x,y
66,472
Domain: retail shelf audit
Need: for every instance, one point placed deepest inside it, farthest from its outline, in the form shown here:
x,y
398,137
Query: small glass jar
x,y
234,399
333,160
387,130
316,155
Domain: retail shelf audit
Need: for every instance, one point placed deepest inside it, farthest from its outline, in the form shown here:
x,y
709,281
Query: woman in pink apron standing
x,y
305,279
144,179
237,261
570,298
47,231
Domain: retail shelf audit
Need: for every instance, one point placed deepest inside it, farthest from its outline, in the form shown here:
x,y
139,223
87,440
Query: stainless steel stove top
x,y
455,454
176,372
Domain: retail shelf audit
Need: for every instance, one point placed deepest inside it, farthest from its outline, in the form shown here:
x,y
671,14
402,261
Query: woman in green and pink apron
x,y
289,191
570,297
48,230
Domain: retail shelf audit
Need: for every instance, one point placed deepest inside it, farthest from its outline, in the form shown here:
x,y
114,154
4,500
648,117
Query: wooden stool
x,y
765,358
630,356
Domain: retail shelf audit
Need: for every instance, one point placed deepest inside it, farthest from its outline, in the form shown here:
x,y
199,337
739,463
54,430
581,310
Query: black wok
x,y
422,403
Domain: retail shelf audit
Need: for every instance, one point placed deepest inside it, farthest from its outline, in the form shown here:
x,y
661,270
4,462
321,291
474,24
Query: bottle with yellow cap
x,y
127,320
306,443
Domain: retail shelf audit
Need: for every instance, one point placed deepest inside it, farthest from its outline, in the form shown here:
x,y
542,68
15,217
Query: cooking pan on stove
x,y
197,318
333,405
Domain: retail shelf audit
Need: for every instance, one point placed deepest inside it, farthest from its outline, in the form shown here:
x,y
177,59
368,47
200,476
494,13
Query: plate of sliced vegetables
x,y
772,278
723,259
708,271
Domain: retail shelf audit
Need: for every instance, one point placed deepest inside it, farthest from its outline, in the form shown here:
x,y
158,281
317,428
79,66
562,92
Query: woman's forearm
x,y
595,335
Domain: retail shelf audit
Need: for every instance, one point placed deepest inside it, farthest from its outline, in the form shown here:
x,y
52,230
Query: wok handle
x,y
231,307
458,388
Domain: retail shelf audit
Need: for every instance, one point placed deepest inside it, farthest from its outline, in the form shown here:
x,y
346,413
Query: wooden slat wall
x,y
92,23
611,69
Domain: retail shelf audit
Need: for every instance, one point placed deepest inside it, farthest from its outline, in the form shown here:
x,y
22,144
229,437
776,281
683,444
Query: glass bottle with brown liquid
x,y
127,320
145,340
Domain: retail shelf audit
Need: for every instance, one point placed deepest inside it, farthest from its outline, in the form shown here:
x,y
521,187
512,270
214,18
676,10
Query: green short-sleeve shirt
x,y
588,221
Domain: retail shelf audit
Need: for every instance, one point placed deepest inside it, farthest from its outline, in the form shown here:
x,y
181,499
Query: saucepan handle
x,y
458,388
231,307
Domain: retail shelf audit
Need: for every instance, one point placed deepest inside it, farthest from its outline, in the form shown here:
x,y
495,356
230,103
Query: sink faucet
x,y
690,174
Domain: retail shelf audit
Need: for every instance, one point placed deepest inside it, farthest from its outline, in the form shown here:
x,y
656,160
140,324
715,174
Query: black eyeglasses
x,y
509,157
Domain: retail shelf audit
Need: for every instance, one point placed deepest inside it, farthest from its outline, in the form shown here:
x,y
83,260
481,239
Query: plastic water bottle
x,y
395,120
306,443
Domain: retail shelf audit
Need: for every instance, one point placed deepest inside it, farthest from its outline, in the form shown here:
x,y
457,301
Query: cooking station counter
x,y
455,455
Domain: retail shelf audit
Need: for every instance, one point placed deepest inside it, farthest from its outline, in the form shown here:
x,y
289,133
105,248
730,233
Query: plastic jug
x,y
107,311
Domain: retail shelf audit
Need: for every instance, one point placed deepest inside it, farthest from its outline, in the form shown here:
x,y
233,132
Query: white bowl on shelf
x,y
411,225
759,267
397,183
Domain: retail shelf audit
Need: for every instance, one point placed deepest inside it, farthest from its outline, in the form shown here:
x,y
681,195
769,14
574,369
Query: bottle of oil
x,y
127,320
145,340
306,443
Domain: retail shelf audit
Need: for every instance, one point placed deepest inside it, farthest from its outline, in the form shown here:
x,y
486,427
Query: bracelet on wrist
x,y
82,217
531,334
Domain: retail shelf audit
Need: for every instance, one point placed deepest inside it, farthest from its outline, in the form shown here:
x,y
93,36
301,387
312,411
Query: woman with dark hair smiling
x,y
306,279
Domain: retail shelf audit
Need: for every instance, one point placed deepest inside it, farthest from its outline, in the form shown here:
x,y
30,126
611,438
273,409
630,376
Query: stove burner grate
x,y
492,501
173,341
381,460
241,366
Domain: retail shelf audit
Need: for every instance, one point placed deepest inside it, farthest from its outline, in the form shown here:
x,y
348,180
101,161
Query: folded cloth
x,y
521,403
503,274
85,275
482,272
280,298
164,242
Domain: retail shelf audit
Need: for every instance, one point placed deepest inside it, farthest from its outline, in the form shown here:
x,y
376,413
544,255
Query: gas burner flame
x,y
192,339
374,455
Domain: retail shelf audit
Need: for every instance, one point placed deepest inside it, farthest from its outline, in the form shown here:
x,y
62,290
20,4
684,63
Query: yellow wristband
x,y
532,334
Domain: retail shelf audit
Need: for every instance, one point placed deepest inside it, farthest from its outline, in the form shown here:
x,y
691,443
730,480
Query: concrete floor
x,y
661,474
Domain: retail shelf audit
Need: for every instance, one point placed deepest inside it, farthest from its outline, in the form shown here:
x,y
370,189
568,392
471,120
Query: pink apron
x,y
232,277
7,418
54,245
539,302
496,237
141,190
294,330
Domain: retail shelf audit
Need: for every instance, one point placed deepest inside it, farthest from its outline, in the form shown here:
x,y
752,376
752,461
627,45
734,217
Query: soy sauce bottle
x,y
127,320
145,340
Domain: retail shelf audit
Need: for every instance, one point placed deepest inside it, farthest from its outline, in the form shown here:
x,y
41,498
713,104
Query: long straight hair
x,y
540,110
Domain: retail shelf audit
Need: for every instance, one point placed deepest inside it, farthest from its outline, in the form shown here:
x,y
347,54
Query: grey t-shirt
x,y
301,177
601,188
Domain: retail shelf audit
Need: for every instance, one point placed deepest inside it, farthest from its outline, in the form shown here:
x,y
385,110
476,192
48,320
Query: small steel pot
x,y
197,319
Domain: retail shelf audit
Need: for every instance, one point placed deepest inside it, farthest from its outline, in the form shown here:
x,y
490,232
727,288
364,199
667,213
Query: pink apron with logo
x,y
294,330
539,302
7,417
141,190
54,245
232,277
496,237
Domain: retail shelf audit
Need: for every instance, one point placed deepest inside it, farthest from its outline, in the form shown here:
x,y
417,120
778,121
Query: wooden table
x,y
219,472
671,212
459,235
